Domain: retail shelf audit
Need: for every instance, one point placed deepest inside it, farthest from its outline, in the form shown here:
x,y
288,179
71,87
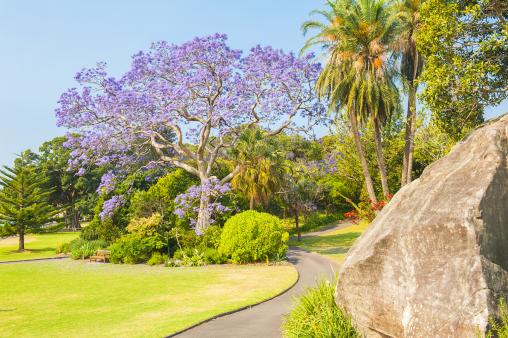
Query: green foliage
x,y
214,256
189,257
260,174
107,230
315,314
157,259
253,236
74,193
499,326
311,221
82,249
24,205
145,226
131,249
431,144
319,219
143,242
465,45
211,237
159,198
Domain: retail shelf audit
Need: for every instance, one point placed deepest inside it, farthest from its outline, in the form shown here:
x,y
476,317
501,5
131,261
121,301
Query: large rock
x,y
433,263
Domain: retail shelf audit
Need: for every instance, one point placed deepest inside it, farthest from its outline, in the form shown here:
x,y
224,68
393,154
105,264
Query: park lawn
x,y
79,299
333,245
36,246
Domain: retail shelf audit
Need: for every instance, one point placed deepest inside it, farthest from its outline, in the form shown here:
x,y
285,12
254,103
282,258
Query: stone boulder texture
x,y
434,261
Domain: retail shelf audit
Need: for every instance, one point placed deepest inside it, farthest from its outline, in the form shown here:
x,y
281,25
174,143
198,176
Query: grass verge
x,y
36,246
334,244
78,299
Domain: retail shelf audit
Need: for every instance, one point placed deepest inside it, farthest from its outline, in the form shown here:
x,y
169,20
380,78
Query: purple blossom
x,y
174,94
109,206
187,204
108,183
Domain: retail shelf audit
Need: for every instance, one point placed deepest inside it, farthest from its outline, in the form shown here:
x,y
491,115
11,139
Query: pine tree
x,y
24,206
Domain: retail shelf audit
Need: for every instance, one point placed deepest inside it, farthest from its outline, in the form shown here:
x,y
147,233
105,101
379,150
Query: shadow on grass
x,y
329,244
32,250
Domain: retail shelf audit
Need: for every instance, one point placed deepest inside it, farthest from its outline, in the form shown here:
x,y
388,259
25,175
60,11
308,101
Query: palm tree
x,y
258,177
411,67
358,75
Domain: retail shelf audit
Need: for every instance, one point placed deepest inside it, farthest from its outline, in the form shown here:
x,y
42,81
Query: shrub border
x,y
239,309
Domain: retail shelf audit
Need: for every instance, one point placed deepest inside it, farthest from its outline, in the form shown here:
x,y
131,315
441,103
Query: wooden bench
x,y
100,256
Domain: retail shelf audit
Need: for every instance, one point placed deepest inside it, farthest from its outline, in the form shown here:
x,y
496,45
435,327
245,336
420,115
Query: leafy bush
x,y
310,222
132,249
196,259
211,237
253,236
499,326
145,226
319,219
315,314
187,257
63,248
213,256
159,198
157,259
82,249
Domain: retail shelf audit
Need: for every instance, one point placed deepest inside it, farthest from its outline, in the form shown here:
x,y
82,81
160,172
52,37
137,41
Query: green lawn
x,y
79,299
36,246
334,245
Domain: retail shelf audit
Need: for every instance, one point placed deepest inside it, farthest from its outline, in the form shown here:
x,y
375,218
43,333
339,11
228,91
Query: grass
x,y
78,299
335,244
312,222
36,246
315,314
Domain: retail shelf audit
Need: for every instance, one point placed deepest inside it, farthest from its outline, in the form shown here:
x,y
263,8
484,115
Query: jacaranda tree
x,y
187,104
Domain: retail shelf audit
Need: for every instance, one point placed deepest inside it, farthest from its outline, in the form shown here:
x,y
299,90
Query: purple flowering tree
x,y
184,105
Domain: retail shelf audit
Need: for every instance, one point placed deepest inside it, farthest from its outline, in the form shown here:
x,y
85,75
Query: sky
x,y
44,43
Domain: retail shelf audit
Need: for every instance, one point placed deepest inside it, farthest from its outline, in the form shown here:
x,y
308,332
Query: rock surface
x,y
434,261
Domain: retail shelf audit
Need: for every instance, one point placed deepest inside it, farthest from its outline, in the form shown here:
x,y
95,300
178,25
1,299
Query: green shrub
x,y
315,314
253,236
213,256
63,248
499,326
310,222
211,237
319,219
181,253
157,259
196,259
82,249
189,257
131,249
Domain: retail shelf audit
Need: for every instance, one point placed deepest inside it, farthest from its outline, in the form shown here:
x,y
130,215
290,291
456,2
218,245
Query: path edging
x,y
239,309
33,260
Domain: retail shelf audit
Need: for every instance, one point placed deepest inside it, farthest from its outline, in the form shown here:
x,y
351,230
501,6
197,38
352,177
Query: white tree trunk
x,y
204,213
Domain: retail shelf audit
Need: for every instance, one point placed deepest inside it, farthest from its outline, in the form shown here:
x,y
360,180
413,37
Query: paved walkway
x,y
265,320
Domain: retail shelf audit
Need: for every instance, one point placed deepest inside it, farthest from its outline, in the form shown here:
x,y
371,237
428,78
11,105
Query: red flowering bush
x,y
366,210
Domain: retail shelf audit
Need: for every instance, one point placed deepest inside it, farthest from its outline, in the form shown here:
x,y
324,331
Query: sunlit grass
x,y
334,244
78,299
36,246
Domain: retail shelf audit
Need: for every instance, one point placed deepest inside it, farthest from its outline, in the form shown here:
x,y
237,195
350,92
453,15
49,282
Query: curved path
x,y
264,320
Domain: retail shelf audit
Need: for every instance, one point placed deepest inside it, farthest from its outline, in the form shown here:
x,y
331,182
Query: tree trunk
x,y
407,162
74,216
21,247
380,158
412,138
297,224
363,160
251,203
204,213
